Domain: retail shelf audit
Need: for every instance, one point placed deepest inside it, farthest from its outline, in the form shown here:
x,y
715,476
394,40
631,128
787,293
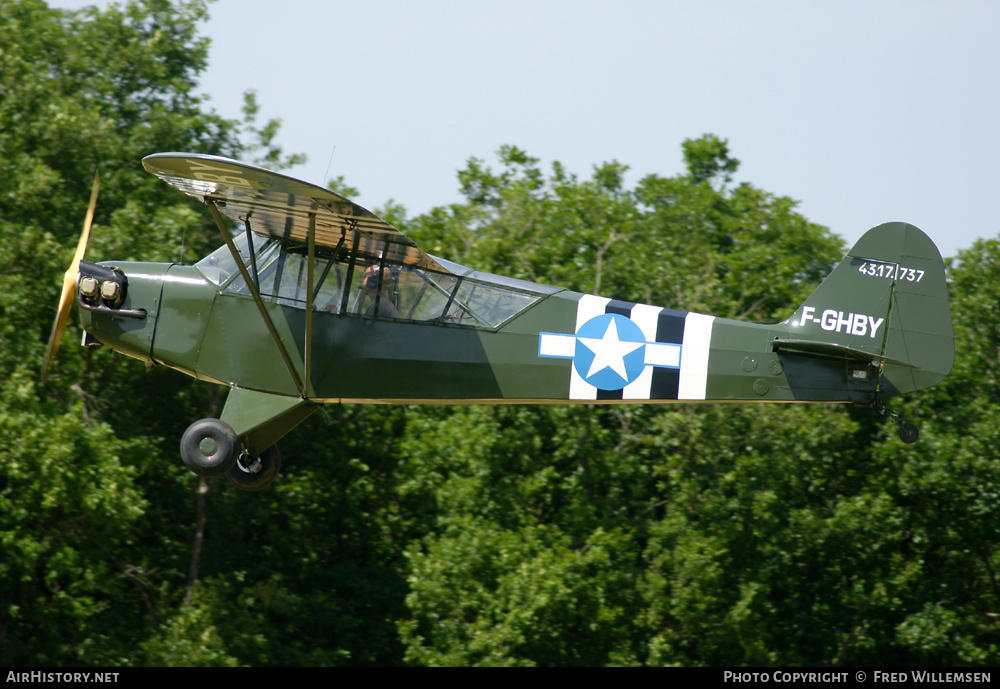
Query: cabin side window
x,y
384,290
283,274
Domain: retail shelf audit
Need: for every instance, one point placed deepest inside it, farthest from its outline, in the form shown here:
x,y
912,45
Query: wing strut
x,y
220,220
310,268
253,253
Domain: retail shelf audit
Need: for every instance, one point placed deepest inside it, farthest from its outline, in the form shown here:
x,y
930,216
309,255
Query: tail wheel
x,y
209,447
908,433
254,473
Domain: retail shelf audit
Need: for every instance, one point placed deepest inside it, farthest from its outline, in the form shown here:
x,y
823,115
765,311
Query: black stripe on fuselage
x,y
666,381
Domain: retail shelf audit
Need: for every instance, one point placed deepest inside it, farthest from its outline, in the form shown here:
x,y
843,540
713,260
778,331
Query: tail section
x,y
887,303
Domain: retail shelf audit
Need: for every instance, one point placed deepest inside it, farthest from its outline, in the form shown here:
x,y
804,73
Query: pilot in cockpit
x,y
369,287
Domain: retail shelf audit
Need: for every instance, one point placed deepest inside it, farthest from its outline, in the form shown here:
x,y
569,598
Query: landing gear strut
x,y
908,432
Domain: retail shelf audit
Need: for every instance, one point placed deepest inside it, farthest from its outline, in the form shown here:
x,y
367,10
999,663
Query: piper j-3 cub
x,y
314,300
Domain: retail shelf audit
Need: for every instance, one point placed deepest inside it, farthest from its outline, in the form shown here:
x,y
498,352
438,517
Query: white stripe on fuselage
x,y
694,359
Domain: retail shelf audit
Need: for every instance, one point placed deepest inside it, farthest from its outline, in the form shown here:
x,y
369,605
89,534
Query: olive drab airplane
x,y
314,300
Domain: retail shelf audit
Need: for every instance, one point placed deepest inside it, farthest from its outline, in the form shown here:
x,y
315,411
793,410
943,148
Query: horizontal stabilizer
x,y
834,350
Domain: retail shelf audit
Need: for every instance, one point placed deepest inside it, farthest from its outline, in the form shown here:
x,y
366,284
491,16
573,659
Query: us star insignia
x,y
609,351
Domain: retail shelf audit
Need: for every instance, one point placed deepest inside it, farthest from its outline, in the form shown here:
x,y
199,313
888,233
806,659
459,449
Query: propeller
x,y
69,282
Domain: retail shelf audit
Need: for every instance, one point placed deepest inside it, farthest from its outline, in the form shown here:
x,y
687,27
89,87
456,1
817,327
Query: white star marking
x,y
609,351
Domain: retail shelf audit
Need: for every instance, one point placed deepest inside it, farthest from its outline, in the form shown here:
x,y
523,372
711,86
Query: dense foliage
x,y
692,535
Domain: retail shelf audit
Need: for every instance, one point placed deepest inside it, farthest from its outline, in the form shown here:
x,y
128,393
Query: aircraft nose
x,y
103,289
119,303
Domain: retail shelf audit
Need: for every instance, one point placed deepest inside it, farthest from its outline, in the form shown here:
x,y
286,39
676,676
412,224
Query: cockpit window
x,y
377,288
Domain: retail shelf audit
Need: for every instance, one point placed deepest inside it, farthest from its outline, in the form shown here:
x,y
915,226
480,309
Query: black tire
x,y
245,479
908,433
209,447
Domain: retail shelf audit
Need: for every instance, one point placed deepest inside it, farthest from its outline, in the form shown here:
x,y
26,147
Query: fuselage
x,y
549,346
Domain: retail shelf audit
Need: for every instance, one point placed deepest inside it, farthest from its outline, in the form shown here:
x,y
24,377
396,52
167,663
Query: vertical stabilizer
x,y
886,301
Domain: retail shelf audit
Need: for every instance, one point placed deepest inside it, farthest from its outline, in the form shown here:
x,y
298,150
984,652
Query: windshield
x,y
219,265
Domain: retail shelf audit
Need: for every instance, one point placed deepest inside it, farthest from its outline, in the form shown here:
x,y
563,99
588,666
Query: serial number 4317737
x,y
891,271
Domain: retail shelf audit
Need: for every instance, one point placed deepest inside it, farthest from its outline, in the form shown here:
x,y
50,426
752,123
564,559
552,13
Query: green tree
x,y
89,482
707,159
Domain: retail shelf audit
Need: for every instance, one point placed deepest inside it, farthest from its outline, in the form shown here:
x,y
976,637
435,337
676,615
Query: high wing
x,y
282,207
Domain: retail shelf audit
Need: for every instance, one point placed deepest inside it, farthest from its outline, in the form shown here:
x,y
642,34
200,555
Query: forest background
x,y
688,535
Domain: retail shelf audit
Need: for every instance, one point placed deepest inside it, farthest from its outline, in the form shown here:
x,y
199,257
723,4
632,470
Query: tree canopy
x,y
429,535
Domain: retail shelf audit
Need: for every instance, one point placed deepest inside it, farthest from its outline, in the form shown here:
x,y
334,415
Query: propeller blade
x,y
69,282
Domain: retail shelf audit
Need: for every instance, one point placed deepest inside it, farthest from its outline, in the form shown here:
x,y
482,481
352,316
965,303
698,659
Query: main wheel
x,y
209,447
254,473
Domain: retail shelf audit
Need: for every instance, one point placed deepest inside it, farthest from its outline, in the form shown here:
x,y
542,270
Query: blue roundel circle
x,y
610,351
